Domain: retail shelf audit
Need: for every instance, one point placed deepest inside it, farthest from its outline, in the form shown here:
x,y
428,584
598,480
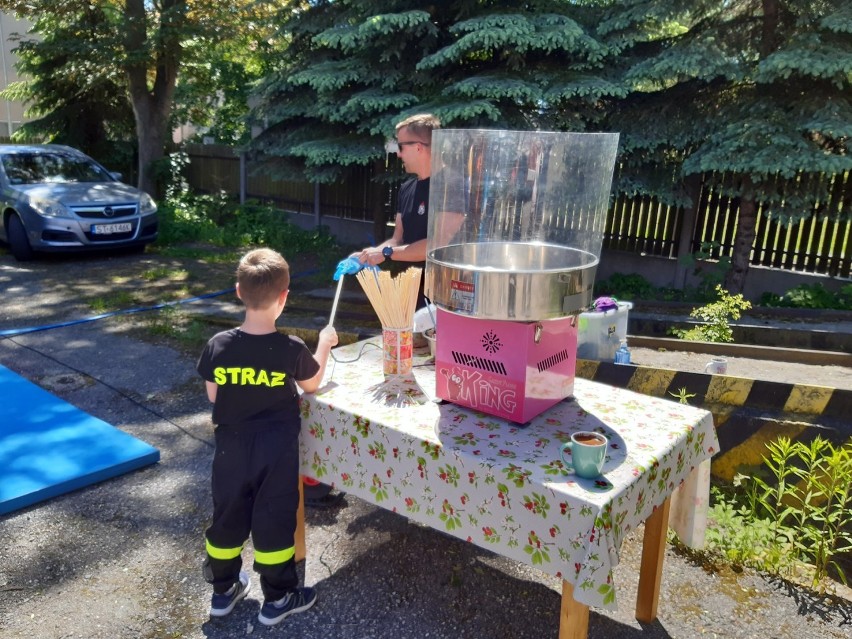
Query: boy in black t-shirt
x,y
251,374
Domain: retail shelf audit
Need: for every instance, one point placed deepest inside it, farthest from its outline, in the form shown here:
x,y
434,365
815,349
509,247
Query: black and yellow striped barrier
x,y
748,413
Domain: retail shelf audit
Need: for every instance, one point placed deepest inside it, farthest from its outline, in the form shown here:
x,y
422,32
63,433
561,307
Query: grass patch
x,y
209,254
165,273
186,219
115,301
176,324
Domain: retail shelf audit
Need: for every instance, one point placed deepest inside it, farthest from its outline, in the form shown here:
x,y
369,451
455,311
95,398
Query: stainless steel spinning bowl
x,y
522,281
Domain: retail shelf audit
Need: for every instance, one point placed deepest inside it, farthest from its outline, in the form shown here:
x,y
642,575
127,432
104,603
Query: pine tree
x,y
134,52
352,69
750,96
74,93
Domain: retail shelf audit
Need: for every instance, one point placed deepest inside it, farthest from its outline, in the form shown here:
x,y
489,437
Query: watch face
x,y
387,251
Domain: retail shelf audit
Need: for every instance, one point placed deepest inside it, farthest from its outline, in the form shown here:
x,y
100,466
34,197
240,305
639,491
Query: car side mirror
x,y
116,175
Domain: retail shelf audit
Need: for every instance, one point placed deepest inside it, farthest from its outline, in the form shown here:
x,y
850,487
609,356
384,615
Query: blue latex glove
x,y
349,266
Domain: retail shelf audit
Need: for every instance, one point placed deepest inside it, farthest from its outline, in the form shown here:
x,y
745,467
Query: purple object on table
x,y
603,304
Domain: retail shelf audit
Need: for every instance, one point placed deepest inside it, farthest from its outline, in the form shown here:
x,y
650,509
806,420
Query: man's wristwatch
x,y
388,252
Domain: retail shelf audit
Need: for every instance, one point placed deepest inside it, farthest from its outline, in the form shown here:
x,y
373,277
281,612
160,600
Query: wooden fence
x,y
818,244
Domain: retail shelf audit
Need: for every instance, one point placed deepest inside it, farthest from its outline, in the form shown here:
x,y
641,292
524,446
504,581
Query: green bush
x,y
810,296
631,286
214,219
625,287
716,316
180,223
796,508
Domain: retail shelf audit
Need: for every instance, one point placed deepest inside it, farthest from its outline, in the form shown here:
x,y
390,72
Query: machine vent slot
x,y
553,360
479,362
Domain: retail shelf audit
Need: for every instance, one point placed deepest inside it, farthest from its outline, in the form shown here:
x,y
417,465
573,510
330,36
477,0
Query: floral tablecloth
x,y
494,483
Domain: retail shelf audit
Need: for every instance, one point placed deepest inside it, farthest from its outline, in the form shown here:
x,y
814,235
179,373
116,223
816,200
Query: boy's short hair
x,y
420,125
263,274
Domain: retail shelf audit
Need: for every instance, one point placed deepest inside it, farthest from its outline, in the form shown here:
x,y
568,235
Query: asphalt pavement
x,y
121,559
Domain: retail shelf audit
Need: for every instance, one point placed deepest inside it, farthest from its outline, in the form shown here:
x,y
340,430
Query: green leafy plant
x,y
740,539
824,513
811,296
625,286
717,316
801,511
682,395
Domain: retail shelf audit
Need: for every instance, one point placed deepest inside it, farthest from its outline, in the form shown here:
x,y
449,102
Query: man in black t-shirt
x,y
408,243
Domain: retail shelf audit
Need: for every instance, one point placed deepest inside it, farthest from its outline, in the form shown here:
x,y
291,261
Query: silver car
x,y
55,198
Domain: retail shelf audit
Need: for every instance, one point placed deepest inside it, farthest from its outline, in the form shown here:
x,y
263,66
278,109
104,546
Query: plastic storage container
x,y
599,333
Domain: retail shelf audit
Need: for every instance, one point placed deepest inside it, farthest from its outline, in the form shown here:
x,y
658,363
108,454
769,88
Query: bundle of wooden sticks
x,y
393,298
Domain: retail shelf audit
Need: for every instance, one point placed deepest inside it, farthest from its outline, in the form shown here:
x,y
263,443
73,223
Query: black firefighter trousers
x,y
255,491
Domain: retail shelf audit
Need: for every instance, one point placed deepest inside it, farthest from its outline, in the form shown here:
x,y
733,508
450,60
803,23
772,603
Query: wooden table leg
x,y
651,569
573,616
301,548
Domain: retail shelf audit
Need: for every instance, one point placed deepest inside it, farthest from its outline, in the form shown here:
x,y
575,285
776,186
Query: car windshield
x,y
39,168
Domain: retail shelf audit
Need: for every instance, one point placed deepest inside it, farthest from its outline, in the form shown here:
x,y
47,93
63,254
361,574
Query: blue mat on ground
x,y
49,447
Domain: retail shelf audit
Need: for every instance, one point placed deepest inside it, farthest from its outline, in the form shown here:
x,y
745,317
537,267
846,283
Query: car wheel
x,y
18,241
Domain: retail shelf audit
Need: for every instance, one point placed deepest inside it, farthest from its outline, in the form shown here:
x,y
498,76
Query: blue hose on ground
x,y
32,329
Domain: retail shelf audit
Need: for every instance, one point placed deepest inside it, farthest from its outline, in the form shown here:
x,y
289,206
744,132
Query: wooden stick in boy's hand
x,y
336,299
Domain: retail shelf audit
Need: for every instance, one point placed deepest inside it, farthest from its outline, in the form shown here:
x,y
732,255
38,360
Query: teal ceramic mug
x,y
588,451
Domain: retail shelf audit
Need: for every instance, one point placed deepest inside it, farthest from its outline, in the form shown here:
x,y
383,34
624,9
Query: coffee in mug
x,y
590,439
588,453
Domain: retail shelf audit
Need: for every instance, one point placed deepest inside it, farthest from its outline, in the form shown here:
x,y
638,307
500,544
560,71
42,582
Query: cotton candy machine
x,y
516,222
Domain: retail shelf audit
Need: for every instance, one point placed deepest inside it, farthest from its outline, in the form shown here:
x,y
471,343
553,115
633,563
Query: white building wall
x,y
11,112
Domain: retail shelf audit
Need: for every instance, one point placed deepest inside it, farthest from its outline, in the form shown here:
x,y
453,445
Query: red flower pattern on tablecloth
x,y
499,485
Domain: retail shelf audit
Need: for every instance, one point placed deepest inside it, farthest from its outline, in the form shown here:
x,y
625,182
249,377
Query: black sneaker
x,y
329,500
221,605
297,601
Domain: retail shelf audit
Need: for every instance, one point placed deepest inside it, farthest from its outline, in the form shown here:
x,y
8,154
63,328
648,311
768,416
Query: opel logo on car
x,y
108,211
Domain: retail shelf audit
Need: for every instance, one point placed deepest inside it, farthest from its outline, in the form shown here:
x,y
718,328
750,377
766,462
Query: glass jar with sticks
x,y
394,300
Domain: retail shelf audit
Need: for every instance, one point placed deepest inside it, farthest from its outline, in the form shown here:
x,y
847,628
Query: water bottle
x,y
622,355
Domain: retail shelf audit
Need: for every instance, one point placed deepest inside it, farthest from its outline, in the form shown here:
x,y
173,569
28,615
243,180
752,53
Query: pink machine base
x,y
514,370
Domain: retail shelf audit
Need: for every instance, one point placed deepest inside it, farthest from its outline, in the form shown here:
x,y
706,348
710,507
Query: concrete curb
x,y
826,336
773,353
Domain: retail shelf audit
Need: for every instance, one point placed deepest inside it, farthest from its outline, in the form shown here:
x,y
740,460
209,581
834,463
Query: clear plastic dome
x,y
516,221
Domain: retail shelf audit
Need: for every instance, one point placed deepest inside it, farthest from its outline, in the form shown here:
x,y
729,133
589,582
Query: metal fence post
x,y
317,214
243,177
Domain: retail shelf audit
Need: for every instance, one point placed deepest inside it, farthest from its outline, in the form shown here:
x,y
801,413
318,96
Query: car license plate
x,y
107,229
